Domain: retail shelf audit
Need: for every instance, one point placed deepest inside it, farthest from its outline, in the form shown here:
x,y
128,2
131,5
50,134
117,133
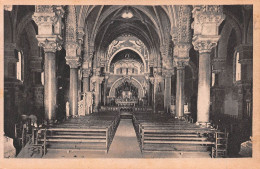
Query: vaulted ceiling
x,y
103,24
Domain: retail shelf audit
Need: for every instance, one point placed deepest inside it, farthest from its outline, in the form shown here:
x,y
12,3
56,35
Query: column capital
x,y
107,76
158,78
152,80
167,73
181,50
50,43
180,63
207,18
73,62
86,72
71,48
204,44
81,35
44,18
97,79
157,71
146,76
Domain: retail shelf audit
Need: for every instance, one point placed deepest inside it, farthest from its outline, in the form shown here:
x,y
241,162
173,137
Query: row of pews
x,y
162,132
86,133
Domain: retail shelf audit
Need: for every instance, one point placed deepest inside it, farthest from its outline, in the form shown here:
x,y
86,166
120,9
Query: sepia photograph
x,y
127,81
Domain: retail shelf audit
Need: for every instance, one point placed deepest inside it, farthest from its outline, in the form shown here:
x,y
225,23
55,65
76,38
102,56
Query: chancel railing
x,y
126,101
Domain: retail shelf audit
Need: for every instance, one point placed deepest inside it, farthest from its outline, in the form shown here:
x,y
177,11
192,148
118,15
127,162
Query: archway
x,y
120,81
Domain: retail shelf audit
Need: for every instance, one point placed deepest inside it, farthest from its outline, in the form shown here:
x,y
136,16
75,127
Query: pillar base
x,y
49,122
180,118
203,124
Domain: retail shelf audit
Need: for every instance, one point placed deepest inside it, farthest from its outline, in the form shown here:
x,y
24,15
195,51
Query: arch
x,y
134,81
23,23
225,34
193,69
130,48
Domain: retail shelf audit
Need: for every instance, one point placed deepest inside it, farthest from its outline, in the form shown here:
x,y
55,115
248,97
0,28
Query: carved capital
x,y
101,79
44,18
152,80
43,8
48,19
91,52
158,78
73,62
107,76
207,18
71,49
180,63
97,79
50,43
205,44
45,22
181,50
168,73
81,34
86,72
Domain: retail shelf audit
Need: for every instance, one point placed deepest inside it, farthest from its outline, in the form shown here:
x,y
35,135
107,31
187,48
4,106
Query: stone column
x,y
158,92
148,89
100,80
167,90
152,80
180,91
96,81
86,87
105,89
86,80
72,58
181,59
207,19
51,41
73,97
50,84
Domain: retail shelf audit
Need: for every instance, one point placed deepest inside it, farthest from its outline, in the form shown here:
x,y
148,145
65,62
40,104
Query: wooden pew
x,y
163,133
95,135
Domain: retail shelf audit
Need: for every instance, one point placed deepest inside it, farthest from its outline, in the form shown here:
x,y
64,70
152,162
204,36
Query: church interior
x,y
128,81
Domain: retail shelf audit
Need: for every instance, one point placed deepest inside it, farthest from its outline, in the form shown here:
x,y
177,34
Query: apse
x,y
127,62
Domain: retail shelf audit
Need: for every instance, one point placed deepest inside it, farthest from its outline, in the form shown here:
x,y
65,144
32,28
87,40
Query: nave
x,y
183,71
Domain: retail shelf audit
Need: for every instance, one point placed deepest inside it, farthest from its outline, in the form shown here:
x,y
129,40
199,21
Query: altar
x,y
126,102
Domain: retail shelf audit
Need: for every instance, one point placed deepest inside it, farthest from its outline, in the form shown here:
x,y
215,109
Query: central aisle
x,y
125,143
